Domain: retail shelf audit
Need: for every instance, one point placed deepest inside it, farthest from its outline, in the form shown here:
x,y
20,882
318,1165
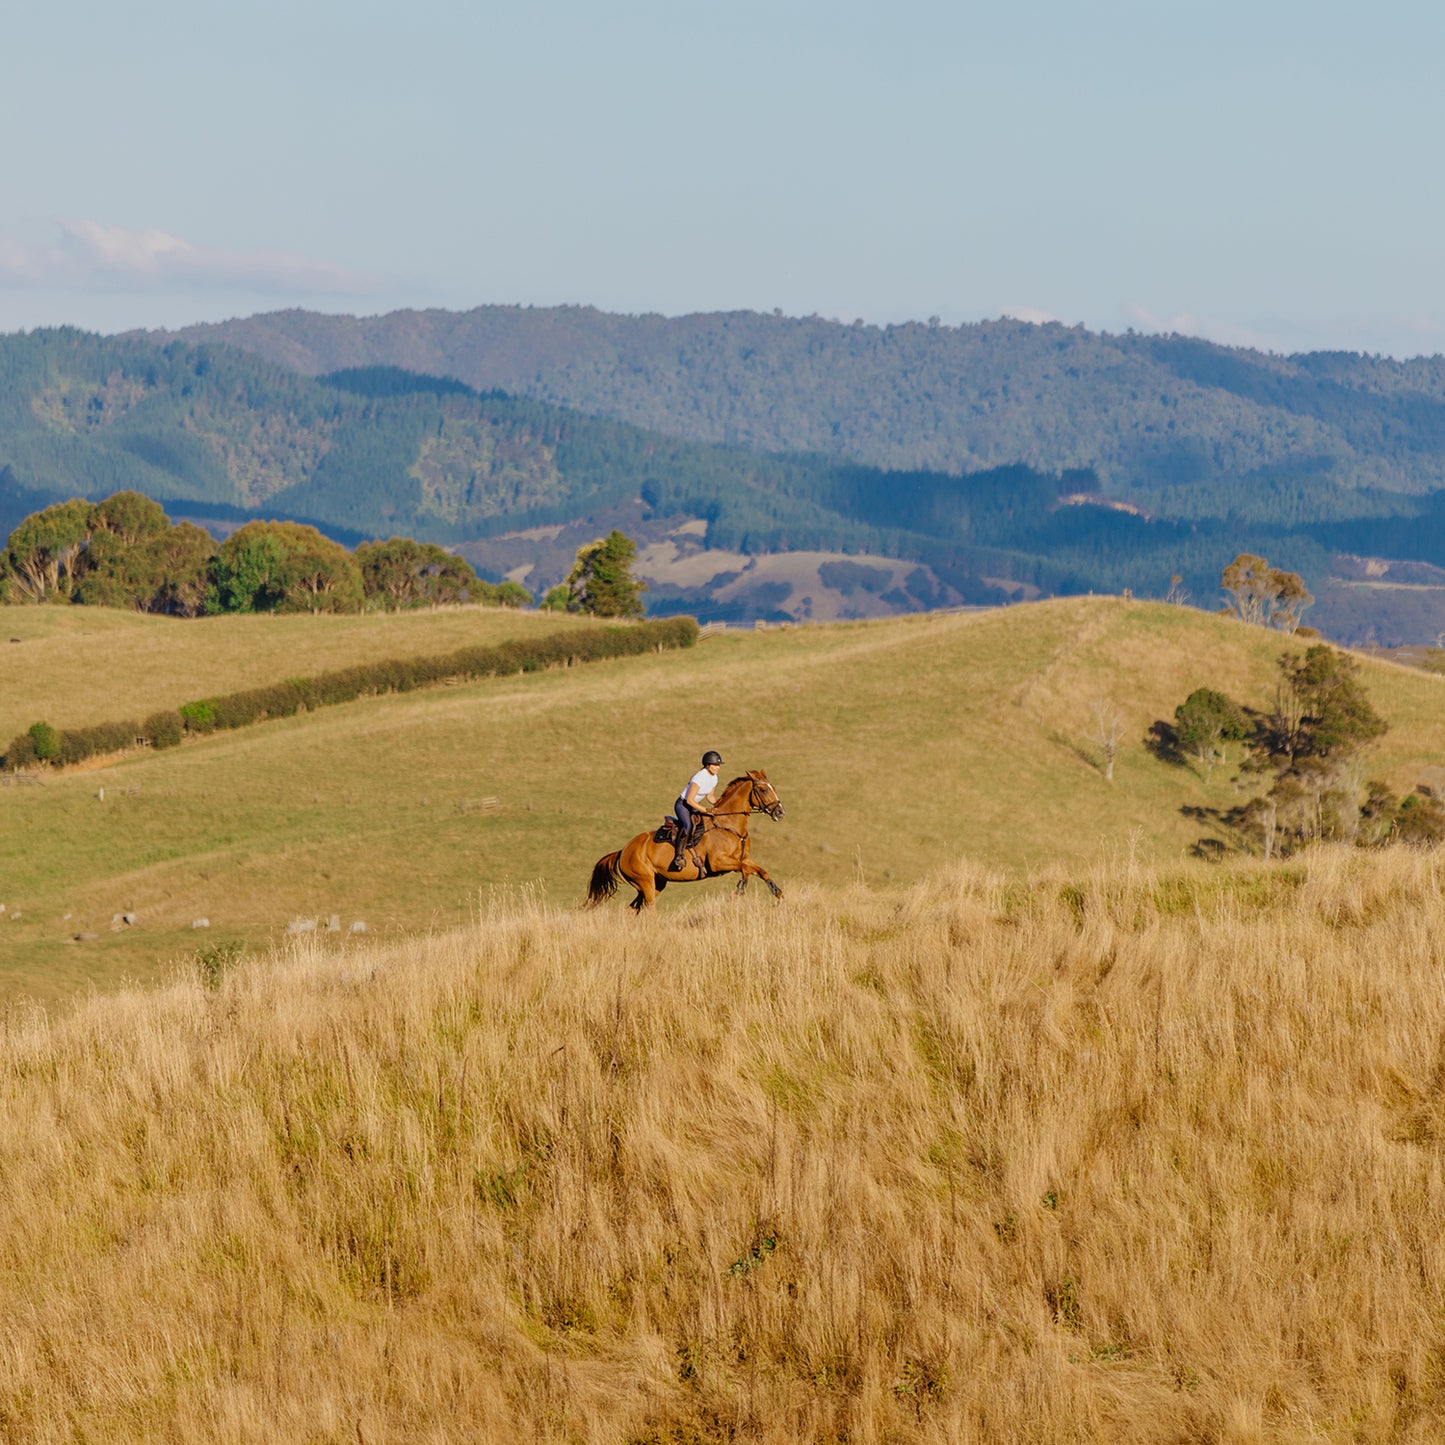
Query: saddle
x,y
667,833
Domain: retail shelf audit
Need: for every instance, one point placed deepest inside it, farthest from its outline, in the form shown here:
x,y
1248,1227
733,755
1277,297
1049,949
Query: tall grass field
x,y
1127,1153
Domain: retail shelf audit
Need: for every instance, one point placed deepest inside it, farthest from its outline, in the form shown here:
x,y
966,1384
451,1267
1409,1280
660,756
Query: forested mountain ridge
x,y
361,452
1143,411
219,433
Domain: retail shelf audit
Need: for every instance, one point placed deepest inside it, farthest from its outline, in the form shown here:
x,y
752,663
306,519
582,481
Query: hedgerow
x,y
285,699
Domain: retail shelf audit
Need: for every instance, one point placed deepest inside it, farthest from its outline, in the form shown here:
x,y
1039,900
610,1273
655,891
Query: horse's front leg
x,y
749,869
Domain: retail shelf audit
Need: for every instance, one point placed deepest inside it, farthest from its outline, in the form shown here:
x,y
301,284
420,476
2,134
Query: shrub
x,y
46,742
21,753
284,699
164,729
199,717
78,744
511,594
1420,821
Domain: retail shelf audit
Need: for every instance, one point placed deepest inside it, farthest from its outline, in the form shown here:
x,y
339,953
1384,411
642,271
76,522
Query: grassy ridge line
x,y
1121,1154
285,699
78,665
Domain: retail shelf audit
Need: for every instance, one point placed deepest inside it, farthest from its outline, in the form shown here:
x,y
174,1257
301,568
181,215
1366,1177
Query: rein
x,y
753,807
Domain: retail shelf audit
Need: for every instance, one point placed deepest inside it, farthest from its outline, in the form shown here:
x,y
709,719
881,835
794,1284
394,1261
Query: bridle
x,y
758,796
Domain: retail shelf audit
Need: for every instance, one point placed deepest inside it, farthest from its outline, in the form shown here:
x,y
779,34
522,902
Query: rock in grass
x,y
359,926
200,923
301,925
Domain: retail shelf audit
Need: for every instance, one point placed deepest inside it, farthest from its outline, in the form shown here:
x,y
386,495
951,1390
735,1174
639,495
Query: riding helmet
x,y
710,757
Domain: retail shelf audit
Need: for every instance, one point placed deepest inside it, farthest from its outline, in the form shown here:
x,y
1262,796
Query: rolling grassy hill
x,y
74,666
1011,1124
897,746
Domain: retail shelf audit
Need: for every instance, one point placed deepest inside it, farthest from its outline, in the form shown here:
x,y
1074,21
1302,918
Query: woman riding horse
x,y
723,848
691,801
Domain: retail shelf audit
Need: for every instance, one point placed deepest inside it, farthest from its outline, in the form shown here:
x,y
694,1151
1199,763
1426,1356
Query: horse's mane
x,y
744,779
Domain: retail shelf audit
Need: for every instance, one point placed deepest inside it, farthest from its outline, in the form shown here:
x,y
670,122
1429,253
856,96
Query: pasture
x,y
75,666
899,747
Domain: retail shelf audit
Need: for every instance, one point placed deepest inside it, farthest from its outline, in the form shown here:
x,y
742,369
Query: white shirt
x,y
704,782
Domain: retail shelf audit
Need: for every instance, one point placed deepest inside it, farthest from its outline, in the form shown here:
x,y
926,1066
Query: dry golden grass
x,y
1125,1155
74,666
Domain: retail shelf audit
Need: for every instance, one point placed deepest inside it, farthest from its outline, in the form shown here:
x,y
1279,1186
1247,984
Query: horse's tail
x,y
604,880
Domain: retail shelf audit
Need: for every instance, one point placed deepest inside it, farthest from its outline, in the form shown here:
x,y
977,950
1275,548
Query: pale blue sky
x,y
1265,172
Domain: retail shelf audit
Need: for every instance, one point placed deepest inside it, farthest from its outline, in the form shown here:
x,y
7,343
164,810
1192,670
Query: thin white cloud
x,y
1187,323
87,255
1032,314
1400,336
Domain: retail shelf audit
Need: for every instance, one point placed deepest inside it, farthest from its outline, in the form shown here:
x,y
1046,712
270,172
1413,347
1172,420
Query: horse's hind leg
x,y
742,885
647,890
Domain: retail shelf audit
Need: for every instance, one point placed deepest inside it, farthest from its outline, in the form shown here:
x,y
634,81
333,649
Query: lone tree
x,y
1321,710
601,580
1265,596
1205,722
1107,730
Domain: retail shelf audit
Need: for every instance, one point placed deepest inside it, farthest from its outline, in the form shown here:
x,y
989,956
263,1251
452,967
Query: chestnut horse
x,y
723,848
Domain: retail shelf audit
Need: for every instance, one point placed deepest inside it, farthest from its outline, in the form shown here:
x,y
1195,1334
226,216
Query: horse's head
x,y
763,797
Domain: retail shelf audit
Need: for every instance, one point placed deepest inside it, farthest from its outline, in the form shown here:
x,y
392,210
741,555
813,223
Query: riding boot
x,y
679,847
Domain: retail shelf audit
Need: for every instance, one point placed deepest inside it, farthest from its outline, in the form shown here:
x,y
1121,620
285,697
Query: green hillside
x,y
76,666
228,435
896,746
1158,413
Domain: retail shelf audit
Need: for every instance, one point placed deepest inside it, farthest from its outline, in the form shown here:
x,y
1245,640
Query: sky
x,y
1263,174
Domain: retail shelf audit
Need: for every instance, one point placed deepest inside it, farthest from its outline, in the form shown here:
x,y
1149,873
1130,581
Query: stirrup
x,y
679,862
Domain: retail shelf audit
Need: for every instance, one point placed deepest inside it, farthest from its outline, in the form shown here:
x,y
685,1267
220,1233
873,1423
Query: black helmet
x,y
710,757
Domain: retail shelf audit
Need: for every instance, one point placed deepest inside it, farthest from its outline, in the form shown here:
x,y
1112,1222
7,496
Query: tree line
x,y
125,552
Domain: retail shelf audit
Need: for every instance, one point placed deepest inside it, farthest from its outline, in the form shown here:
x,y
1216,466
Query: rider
x,y
695,798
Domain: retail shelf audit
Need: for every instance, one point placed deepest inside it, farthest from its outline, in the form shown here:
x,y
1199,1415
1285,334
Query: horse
x,y
723,848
